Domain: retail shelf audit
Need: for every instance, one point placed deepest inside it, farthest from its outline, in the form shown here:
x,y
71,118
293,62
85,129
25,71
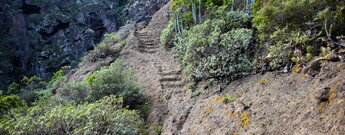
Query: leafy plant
x,y
287,25
218,48
106,116
168,35
117,80
105,49
7,103
228,98
159,128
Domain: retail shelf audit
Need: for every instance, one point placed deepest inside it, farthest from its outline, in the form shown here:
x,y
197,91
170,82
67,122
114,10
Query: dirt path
x,y
160,75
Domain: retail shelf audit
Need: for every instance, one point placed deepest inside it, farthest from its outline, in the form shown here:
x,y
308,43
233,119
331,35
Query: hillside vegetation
x,y
128,84
108,101
228,39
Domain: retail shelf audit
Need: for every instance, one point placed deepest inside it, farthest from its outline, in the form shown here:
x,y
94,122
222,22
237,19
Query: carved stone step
x,y
146,40
137,32
172,85
148,44
148,47
170,73
170,79
141,35
147,51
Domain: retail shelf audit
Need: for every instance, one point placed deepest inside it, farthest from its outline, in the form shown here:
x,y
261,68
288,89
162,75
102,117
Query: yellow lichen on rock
x,y
219,99
333,94
245,119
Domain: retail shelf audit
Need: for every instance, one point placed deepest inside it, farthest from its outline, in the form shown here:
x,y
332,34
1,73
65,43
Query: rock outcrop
x,y
41,36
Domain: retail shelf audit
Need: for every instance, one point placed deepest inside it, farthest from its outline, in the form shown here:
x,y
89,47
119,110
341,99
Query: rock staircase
x,y
146,45
169,77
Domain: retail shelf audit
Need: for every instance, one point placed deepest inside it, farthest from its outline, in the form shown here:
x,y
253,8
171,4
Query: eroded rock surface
x,y
41,36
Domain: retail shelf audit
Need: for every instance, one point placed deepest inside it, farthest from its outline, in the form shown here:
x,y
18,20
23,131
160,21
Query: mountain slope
x,y
273,103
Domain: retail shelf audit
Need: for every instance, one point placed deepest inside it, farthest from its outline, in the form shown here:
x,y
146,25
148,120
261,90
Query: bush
x,y
106,116
168,35
218,48
105,49
116,80
112,80
76,91
7,103
33,89
290,24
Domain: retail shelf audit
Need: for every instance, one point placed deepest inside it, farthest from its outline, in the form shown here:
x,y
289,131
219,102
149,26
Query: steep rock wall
x,y
41,36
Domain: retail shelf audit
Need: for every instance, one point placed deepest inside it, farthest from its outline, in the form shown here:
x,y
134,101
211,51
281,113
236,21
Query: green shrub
x,y
76,91
106,116
290,24
218,48
159,128
105,49
33,89
14,88
89,79
116,80
168,35
7,103
228,98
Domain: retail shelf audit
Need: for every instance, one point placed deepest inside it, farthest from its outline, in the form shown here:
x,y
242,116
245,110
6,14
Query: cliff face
x,y
41,36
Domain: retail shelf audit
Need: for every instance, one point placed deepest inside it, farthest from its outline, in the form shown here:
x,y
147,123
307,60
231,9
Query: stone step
x,y
142,37
139,34
172,85
147,51
170,73
170,79
148,47
146,40
147,43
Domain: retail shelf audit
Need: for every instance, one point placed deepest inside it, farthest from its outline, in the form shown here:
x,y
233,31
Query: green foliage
x,y
76,91
7,103
228,98
105,48
14,88
197,92
159,128
290,24
33,89
89,79
168,35
117,80
112,80
217,48
57,78
106,116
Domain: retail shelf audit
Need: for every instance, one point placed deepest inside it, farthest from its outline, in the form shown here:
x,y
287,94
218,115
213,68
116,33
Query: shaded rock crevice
x,y
28,9
60,26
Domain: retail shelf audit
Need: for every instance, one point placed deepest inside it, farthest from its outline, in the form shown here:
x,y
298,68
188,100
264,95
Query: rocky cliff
x,y
41,36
